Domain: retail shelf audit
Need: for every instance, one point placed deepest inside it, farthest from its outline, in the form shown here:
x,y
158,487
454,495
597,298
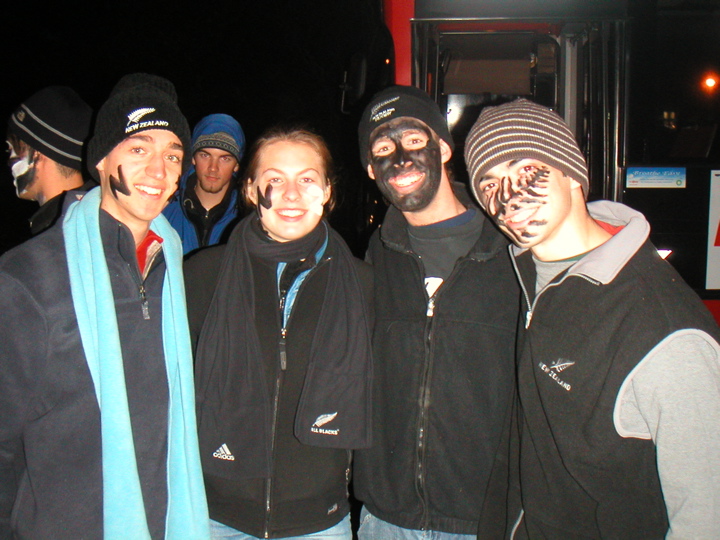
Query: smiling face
x,y
289,189
529,200
214,169
21,159
139,176
406,163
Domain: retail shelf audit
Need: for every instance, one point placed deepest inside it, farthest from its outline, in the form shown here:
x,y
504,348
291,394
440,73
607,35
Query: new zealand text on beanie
x,y
395,102
138,102
220,131
522,129
54,121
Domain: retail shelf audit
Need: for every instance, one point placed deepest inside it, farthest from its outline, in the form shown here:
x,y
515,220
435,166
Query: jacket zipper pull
x,y
430,307
144,303
283,351
528,318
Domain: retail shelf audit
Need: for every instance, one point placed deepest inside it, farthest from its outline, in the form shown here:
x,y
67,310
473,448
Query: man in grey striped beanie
x,y
618,362
515,196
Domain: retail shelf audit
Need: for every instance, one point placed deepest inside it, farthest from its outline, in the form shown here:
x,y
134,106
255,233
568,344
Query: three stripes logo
x,y
224,453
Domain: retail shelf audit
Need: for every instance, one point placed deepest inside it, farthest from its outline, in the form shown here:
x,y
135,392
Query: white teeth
x,y
149,190
291,213
407,180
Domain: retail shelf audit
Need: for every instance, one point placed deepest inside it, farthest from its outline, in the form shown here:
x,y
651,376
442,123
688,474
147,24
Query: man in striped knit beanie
x,y
619,362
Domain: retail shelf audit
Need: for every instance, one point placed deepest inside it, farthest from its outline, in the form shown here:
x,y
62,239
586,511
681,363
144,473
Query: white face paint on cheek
x,y
316,194
19,167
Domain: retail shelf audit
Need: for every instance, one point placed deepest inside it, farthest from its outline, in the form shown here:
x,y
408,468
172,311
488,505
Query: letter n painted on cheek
x,y
264,201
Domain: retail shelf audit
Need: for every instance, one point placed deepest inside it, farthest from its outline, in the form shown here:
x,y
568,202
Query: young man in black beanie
x,y
619,373
45,138
446,312
97,423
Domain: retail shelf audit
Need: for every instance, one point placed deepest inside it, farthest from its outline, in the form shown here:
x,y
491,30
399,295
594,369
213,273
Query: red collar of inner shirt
x,y
612,229
146,248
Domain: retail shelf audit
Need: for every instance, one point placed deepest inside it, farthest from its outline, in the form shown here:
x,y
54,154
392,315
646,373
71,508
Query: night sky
x,y
262,62
275,61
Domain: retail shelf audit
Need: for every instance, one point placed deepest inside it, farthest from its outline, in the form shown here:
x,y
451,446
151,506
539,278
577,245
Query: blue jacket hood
x,y
214,123
225,123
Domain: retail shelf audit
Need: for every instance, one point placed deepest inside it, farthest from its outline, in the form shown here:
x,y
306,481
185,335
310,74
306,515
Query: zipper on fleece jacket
x,y
421,442
282,346
273,430
140,284
422,421
531,305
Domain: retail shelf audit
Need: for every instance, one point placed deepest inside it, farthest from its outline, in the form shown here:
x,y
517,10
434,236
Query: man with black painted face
x,y
409,164
619,361
97,426
45,137
445,318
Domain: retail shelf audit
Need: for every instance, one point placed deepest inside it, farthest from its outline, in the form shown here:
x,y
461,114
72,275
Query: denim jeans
x,y
341,531
373,528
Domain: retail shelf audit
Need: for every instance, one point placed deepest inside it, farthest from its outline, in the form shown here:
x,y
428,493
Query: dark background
x,y
272,61
262,62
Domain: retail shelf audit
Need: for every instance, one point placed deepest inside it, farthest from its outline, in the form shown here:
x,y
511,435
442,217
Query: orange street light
x,y
710,83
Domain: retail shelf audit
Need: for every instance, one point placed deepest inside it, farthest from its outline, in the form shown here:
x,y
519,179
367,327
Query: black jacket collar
x,y
394,230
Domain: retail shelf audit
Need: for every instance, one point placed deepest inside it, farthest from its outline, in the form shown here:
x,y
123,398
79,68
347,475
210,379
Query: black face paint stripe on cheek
x,y
264,201
119,185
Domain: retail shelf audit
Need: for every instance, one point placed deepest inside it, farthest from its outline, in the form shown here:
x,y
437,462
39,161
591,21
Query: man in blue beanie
x,y
206,204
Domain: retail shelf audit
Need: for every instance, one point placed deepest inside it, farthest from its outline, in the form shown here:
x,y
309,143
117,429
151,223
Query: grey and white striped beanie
x,y
522,129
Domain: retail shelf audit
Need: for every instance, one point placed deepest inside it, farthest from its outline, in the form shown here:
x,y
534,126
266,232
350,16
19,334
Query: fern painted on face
x,y
517,200
527,187
119,184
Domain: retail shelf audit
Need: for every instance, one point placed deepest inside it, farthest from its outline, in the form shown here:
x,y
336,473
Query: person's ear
x,y
445,151
574,184
101,167
39,160
371,174
250,192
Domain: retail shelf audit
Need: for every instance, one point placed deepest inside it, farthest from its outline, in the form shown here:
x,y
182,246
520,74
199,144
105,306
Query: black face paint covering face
x,y
119,184
426,161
